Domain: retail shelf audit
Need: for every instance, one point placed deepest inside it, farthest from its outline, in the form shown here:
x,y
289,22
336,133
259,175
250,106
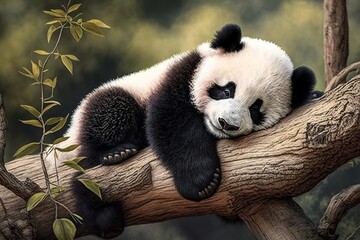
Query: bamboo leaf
x,y
78,159
53,14
35,200
50,83
60,12
92,186
55,191
35,69
28,75
56,20
99,23
73,8
72,57
33,122
59,140
48,107
60,125
50,32
74,165
41,52
68,148
64,229
76,32
67,63
53,120
92,28
26,149
52,101
31,110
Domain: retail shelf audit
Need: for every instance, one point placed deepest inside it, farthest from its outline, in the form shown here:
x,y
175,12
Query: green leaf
x,y
78,159
26,149
28,74
68,148
52,101
56,20
60,12
64,229
41,52
72,57
92,186
76,32
50,83
60,139
48,107
73,8
35,200
31,110
53,120
50,32
33,122
76,217
54,14
92,28
35,69
74,165
60,125
55,191
67,63
99,23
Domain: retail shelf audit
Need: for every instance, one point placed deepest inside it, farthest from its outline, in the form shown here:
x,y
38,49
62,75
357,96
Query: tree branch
x,y
337,209
281,162
336,37
341,76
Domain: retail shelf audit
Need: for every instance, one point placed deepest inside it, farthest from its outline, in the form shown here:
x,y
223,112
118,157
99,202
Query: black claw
x,y
111,158
213,184
215,181
217,170
217,176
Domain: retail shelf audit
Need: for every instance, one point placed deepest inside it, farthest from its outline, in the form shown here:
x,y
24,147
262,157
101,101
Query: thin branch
x,y
3,129
341,76
4,208
351,237
337,209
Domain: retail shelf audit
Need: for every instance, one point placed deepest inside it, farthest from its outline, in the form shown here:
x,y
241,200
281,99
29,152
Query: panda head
x,y
246,84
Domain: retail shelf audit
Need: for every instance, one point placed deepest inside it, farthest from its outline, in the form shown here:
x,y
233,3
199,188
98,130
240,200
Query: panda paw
x,y
199,187
118,154
212,187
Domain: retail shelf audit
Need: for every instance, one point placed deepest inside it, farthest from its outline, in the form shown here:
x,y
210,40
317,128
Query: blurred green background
x,y
145,32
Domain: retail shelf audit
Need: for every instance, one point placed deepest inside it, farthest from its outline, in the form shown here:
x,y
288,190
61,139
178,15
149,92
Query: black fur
x,y
217,92
176,132
112,121
303,82
255,114
228,38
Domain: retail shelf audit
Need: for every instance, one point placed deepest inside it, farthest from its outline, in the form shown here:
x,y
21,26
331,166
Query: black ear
x,y
228,38
303,83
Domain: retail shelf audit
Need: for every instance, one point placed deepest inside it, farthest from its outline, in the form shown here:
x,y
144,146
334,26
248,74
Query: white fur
x,y
260,70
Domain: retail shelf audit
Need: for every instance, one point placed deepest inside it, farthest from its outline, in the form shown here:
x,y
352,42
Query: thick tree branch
x,y
337,209
336,37
281,162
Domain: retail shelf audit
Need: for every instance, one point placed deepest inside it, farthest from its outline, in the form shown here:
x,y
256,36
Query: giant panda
x,y
225,88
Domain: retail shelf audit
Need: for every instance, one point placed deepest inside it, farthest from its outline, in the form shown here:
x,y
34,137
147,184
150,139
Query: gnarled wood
x,y
336,37
281,162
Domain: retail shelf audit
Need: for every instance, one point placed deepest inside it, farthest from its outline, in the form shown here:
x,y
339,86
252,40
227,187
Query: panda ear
x,y
303,82
228,38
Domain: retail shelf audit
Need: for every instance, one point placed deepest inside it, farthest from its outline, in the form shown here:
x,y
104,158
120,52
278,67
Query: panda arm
x,y
177,133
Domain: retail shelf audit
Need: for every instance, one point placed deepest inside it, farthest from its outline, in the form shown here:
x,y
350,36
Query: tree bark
x,y
336,37
278,163
2,131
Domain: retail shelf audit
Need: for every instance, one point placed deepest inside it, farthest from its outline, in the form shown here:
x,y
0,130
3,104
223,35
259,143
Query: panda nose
x,y
226,126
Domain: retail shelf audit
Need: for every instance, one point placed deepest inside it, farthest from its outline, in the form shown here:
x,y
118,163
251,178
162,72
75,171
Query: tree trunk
x,y
336,37
278,163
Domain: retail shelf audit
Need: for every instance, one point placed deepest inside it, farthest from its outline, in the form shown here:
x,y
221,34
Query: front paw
x,y
198,186
118,154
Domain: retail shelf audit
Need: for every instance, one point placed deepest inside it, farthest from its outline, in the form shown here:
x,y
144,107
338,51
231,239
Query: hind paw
x,y
118,154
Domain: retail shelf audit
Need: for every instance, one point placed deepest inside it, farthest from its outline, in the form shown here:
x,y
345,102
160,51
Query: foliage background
x,y
145,32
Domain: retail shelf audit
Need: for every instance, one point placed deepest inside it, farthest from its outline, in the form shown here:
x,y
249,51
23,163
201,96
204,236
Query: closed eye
x,y
217,92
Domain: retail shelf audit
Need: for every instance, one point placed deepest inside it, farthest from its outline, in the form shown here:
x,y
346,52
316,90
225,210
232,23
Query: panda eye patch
x,y
256,116
222,92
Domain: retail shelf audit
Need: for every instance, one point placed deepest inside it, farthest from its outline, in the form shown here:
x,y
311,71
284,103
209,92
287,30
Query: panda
x,y
180,107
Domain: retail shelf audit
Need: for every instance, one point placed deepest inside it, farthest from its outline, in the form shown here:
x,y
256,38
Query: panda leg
x,y
112,128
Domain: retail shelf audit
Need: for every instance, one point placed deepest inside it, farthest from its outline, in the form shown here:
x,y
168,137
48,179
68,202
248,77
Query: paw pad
x,y
118,156
212,187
